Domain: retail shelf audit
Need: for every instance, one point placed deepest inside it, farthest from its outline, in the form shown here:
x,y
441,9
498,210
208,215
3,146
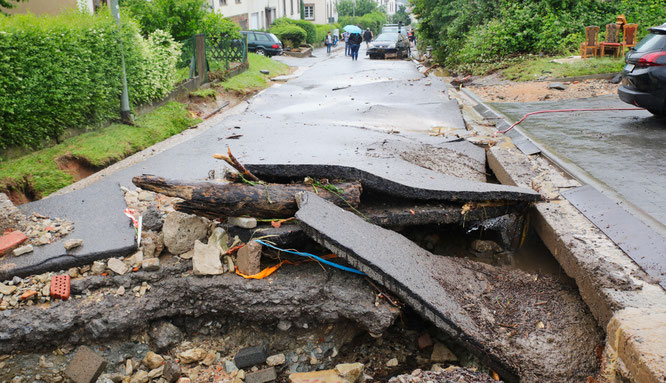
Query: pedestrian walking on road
x,y
345,35
355,41
329,42
367,37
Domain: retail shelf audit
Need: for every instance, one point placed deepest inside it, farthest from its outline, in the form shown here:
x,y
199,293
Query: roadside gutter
x,y
627,302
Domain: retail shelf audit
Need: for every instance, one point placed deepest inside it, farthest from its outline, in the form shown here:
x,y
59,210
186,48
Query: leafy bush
x,y
323,29
291,35
181,18
218,26
64,71
464,32
307,26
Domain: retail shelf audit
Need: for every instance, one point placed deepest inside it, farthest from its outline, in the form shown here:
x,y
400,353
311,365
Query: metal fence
x,y
219,53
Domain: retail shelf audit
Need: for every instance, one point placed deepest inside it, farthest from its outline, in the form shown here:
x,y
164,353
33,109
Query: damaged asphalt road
x,y
528,329
402,138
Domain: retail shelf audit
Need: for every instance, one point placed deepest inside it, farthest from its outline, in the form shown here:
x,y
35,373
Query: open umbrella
x,y
352,29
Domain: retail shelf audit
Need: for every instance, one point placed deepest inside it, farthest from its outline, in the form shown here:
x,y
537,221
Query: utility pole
x,y
125,112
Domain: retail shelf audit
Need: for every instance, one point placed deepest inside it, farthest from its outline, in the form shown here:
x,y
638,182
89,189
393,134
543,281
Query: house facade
x,y
257,14
390,6
320,11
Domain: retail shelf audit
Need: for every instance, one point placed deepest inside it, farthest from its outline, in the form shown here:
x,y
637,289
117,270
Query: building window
x,y
223,2
238,1
292,6
309,12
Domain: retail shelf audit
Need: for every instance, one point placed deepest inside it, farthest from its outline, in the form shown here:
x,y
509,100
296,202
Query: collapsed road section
x,y
524,326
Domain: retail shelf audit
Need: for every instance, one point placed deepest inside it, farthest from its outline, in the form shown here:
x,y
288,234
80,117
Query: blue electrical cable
x,y
345,268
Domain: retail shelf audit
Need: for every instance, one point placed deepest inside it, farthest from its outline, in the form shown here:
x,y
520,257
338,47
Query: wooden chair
x,y
610,42
628,36
591,41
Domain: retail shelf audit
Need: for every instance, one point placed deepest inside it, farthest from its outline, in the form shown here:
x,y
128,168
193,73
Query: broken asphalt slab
x,y
97,214
304,293
525,327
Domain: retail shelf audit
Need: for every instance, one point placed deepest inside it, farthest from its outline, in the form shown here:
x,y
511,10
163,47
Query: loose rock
x,y
171,371
351,372
152,264
152,219
72,243
441,353
248,259
192,355
181,230
244,222
275,360
392,363
484,246
152,360
164,335
117,266
206,260
22,250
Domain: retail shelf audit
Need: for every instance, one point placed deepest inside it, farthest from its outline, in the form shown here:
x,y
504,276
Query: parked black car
x,y
644,75
389,44
263,43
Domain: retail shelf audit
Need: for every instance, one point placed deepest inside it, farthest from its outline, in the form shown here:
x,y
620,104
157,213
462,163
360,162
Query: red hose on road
x,y
560,111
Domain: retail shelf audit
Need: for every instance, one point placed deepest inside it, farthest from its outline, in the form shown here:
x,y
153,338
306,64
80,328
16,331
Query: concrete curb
x,y
625,301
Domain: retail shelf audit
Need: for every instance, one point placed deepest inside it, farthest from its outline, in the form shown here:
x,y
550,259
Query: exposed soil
x,y
79,168
496,90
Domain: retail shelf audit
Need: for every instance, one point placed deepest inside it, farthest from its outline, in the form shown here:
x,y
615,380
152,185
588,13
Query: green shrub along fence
x,y
64,71
482,31
291,35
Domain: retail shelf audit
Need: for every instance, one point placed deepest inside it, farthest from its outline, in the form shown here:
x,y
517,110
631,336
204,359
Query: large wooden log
x,y
219,200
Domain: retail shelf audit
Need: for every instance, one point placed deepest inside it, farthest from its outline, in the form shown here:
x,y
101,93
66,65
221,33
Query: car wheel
x,y
261,52
656,113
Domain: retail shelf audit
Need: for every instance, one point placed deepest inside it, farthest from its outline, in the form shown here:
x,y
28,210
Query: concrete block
x,y
86,366
637,338
261,376
250,356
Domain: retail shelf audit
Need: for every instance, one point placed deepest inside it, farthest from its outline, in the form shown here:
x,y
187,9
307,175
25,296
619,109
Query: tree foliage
x,y
181,18
401,15
483,31
356,7
8,4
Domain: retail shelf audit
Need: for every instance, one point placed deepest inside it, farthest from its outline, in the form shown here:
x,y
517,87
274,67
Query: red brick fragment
x,y
28,294
60,285
10,241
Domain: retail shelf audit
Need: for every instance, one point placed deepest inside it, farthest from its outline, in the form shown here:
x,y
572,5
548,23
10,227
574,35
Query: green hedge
x,y
323,29
483,31
308,27
291,35
64,71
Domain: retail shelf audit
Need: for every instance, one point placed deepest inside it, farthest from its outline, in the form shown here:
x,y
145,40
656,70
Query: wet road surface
x,y
622,149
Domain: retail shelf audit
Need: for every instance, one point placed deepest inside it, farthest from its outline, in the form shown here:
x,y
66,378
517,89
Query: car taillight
x,y
652,59
275,46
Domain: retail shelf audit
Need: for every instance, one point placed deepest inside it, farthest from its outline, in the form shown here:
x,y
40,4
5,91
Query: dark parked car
x,y
390,44
644,75
263,43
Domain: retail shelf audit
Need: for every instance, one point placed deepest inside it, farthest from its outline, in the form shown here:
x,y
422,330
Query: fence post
x,y
200,54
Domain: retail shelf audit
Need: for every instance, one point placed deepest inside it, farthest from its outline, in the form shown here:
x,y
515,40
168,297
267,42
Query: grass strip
x,y
38,172
252,79
535,68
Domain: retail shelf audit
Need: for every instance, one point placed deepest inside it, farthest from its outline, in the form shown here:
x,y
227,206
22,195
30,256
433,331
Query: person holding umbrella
x,y
355,39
